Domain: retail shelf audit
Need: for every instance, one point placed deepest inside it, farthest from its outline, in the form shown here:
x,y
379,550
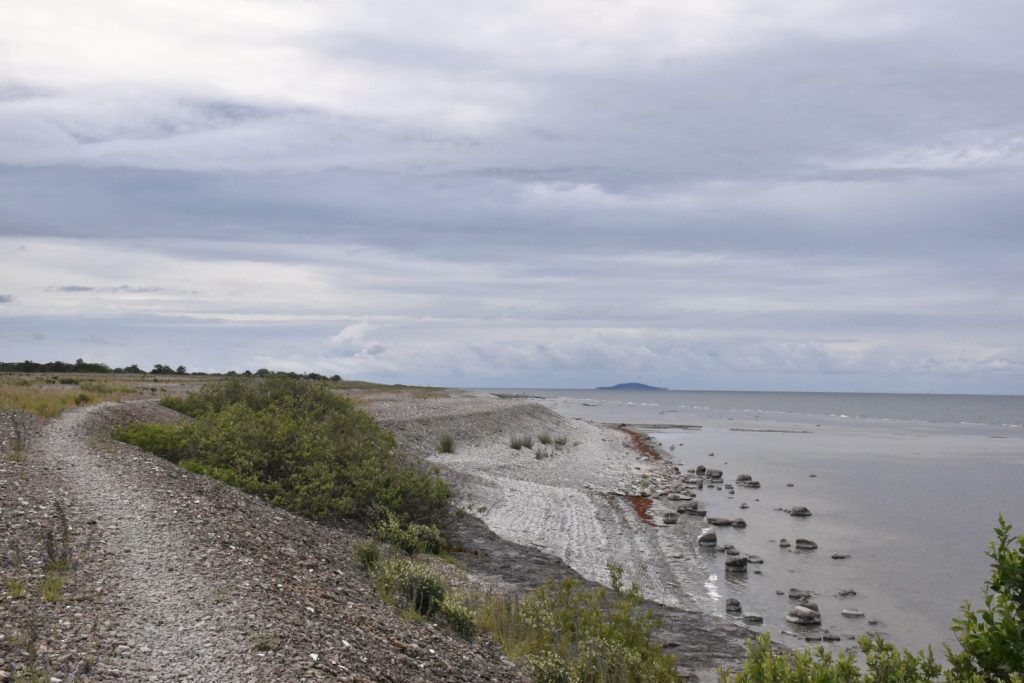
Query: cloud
x,y
351,342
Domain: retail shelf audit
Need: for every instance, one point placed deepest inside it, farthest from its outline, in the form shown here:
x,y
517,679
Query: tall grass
x,y
50,400
520,441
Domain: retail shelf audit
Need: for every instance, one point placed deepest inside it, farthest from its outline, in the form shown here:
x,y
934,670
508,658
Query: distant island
x,y
633,386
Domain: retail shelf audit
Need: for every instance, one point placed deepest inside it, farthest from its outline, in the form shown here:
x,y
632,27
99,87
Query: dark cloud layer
x,y
818,195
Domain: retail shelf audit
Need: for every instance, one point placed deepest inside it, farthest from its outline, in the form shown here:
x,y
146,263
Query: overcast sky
x,y
724,194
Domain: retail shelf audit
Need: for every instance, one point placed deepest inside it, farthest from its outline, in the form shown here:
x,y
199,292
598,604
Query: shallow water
x,y
912,497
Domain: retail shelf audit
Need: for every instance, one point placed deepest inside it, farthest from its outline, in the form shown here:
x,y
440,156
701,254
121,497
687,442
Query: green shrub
x,y
409,536
167,441
300,446
992,639
519,441
458,617
564,631
368,552
411,584
446,445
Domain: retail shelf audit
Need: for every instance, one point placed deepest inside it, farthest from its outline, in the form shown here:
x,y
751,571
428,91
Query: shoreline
x,y
576,505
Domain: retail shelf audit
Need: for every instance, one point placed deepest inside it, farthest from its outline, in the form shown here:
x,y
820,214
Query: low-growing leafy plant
x,y
992,638
409,536
410,583
459,617
368,552
447,444
266,642
299,445
565,631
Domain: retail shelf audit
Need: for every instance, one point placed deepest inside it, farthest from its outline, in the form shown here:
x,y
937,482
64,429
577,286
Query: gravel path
x,y
176,577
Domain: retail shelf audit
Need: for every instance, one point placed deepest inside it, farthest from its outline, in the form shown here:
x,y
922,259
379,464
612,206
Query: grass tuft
x,y
17,588
520,441
53,586
447,444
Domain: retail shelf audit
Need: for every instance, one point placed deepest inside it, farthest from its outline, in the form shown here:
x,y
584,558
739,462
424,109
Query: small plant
x,y
410,583
221,596
561,440
53,587
368,552
545,439
447,444
482,509
17,456
411,537
458,617
17,588
520,441
265,642
58,546
992,638
543,452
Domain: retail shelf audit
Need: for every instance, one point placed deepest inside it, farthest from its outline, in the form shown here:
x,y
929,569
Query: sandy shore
x,y
571,504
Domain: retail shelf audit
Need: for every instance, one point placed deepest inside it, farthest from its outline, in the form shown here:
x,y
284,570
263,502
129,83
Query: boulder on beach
x,y
800,511
670,518
733,605
739,523
804,544
708,539
736,565
803,615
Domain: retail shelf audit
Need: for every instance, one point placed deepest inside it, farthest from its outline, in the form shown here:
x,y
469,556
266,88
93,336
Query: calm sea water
x,y
910,486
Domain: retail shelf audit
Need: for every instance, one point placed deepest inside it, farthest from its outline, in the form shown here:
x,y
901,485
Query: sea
x,y
909,486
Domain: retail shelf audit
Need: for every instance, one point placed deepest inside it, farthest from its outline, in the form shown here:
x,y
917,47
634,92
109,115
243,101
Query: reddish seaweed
x,y
642,506
641,445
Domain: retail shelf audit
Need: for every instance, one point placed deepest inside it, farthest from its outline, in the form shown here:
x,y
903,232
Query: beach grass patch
x,y
52,588
446,444
567,631
17,588
545,439
520,441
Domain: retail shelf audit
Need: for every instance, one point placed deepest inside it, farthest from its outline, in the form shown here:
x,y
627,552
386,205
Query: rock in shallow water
x,y
852,613
753,618
800,511
804,544
803,615
736,565
708,539
733,605
670,518
783,543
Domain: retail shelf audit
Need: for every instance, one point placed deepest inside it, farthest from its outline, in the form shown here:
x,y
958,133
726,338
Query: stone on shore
x,y
743,478
708,539
803,615
736,565
800,511
804,544
753,618
670,518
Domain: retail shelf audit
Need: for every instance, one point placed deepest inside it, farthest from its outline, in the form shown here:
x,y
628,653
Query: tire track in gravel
x,y
153,589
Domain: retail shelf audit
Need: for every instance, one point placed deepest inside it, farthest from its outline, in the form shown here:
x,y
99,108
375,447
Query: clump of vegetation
x,y
266,642
299,445
564,631
411,537
542,453
58,544
520,441
368,552
447,444
17,588
545,439
561,440
52,588
46,399
992,641
412,583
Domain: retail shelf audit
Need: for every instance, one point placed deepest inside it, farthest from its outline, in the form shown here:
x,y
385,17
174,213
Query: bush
x,y
411,537
368,552
412,584
993,638
458,617
300,446
564,631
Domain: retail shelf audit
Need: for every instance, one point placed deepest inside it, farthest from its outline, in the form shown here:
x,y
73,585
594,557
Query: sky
x,y
822,195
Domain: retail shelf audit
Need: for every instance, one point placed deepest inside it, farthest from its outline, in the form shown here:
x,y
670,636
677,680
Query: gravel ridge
x,y
177,577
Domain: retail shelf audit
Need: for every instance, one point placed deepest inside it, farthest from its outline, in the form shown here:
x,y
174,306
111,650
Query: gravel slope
x,y
176,577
